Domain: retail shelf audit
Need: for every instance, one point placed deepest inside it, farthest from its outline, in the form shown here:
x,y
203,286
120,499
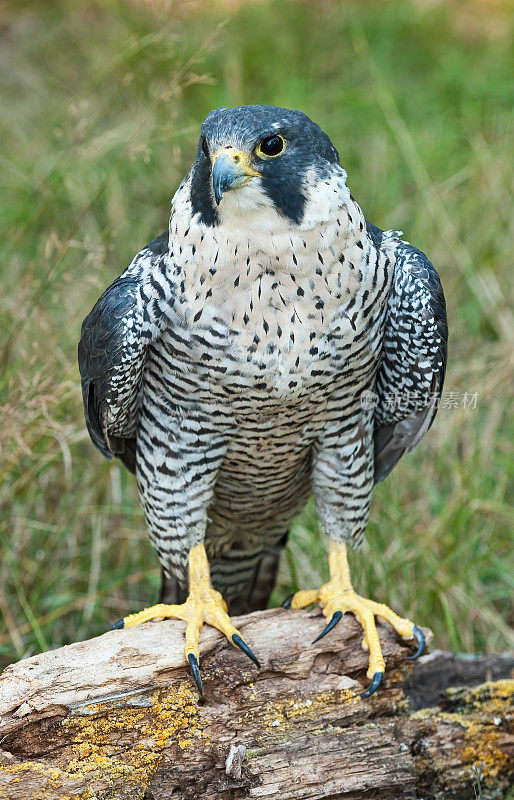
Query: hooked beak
x,y
230,169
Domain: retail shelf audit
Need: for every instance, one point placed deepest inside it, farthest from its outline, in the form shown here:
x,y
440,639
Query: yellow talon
x,y
204,604
337,597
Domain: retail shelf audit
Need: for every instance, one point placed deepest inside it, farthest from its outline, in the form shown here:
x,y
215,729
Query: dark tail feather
x,y
264,583
257,594
171,591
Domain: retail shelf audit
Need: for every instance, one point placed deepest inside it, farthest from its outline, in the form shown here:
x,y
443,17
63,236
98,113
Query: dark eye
x,y
205,149
272,146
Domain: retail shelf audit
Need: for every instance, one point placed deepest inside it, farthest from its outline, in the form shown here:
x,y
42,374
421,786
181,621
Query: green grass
x,y
101,105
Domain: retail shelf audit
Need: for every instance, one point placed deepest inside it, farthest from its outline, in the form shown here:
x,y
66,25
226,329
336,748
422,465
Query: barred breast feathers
x,y
272,284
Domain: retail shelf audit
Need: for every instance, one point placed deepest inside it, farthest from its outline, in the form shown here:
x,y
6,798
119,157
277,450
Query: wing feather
x,y
414,354
112,352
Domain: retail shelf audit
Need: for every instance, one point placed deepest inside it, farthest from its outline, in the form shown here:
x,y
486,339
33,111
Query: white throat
x,y
256,251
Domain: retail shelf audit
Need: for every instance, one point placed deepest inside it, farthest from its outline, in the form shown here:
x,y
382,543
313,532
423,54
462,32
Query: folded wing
x,y
411,373
113,348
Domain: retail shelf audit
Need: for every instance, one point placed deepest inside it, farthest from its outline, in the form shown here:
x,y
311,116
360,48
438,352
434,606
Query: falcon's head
x,y
255,156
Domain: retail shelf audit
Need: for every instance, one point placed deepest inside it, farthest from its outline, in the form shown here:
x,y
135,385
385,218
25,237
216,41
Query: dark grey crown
x,y
283,177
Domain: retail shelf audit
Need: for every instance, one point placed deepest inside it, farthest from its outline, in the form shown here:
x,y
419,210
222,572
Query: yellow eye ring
x,y
271,146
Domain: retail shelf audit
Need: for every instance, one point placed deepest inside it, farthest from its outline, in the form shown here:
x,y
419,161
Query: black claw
x,y
195,669
375,683
119,624
336,616
287,601
244,647
420,638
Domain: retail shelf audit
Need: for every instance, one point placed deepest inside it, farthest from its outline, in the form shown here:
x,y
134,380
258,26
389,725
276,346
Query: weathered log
x,y
119,717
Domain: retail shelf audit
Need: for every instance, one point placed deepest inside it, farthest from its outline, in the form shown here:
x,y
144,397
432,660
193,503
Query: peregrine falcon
x,y
271,344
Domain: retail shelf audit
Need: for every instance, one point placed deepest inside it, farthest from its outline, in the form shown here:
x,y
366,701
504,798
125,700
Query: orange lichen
x,y
146,729
479,712
122,738
280,714
482,749
488,698
51,782
494,702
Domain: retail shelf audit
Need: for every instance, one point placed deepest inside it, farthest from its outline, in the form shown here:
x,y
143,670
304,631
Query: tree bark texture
x,y
119,717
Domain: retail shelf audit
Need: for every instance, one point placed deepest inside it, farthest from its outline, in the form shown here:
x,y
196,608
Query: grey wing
x,y
414,353
112,352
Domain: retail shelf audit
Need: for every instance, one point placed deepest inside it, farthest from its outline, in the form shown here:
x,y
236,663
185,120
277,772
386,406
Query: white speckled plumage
x,y
227,365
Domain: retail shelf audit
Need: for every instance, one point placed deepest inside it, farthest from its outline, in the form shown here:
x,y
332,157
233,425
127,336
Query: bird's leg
x,y
204,604
337,597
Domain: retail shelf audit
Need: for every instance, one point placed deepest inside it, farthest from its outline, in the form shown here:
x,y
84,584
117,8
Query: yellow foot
x,y
204,604
337,597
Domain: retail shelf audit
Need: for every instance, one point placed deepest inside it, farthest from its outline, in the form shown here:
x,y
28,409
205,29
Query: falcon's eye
x,y
205,149
272,146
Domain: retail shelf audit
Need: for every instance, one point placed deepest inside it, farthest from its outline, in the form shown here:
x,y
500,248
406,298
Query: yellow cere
x,y
239,157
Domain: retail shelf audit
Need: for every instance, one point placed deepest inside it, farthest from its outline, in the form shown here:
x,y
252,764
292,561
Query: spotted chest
x,y
267,314
280,335
277,357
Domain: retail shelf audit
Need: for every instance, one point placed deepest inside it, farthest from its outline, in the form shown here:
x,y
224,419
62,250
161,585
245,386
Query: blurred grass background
x,y
101,106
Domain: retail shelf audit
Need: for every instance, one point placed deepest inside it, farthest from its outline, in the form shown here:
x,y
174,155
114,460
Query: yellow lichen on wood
x,y
482,739
280,714
482,749
146,728
51,780
487,698
479,712
113,740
